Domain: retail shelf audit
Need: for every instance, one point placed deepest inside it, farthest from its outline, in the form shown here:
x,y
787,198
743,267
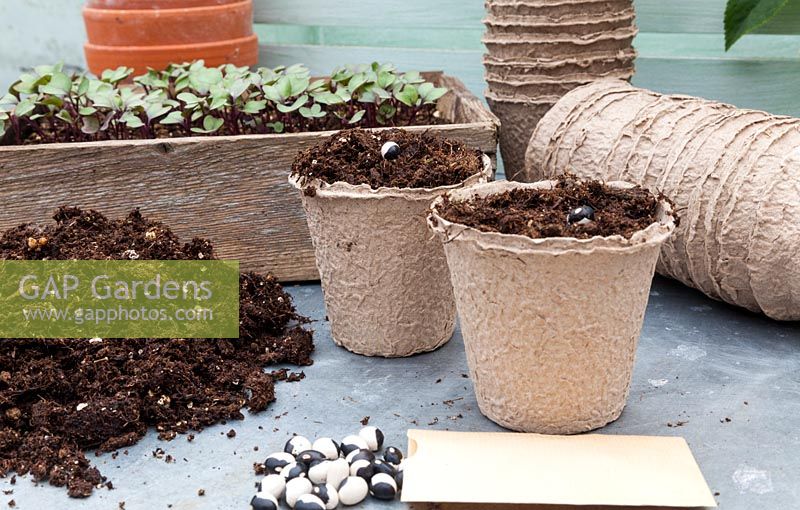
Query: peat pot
x,y
550,325
385,280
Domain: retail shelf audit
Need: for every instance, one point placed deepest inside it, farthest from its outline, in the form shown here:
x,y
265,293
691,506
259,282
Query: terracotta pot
x,y
154,4
154,27
557,356
241,52
385,280
143,34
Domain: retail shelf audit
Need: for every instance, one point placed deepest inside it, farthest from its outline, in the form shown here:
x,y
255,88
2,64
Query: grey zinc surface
x,y
700,363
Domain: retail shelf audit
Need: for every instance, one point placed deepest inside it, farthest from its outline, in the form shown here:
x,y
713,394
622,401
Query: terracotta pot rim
x,y
132,49
160,13
151,8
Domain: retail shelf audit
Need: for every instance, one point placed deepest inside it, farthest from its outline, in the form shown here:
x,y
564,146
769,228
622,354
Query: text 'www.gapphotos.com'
x,y
119,314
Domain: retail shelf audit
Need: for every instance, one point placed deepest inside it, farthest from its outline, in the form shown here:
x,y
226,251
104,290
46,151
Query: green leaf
x,y
156,110
254,107
87,110
238,88
189,98
315,112
2,126
24,108
278,127
301,101
356,82
65,116
8,102
357,117
326,97
744,16
271,92
210,125
90,125
83,87
430,93
131,120
218,102
173,118
409,96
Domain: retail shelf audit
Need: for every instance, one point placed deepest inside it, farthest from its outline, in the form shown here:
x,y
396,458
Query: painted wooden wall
x,y
681,43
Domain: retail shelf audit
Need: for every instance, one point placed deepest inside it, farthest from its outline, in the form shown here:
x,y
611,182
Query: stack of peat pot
x,y
538,50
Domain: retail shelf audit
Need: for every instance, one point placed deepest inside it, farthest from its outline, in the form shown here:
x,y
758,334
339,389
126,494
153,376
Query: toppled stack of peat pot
x,y
733,174
538,50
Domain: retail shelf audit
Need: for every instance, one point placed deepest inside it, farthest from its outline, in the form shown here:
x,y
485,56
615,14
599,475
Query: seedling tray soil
x,y
59,398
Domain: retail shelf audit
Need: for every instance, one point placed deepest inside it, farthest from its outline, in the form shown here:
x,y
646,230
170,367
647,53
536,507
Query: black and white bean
x,y
309,456
353,491
351,443
273,484
264,501
294,470
362,468
318,471
328,447
328,494
338,470
296,445
364,454
373,437
277,461
383,486
309,502
295,488
393,455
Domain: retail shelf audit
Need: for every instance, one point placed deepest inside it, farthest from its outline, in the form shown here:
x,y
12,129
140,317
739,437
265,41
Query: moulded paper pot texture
x,y
733,174
550,325
555,8
591,65
384,277
577,25
555,46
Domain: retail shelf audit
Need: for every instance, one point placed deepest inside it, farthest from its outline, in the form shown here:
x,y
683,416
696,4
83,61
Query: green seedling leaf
x,y
189,98
326,97
357,117
91,125
745,16
315,112
131,120
301,101
254,107
356,82
299,85
238,88
272,93
203,79
65,116
277,127
24,108
87,110
8,103
409,96
83,86
218,102
172,118
115,76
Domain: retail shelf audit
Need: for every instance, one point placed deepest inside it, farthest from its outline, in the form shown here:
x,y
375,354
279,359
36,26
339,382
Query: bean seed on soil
x,y
264,501
296,488
309,502
296,445
383,486
353,491
581,215
373,436
390,151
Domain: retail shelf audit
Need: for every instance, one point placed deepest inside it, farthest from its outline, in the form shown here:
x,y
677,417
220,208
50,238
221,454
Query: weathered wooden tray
x,y
232,190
